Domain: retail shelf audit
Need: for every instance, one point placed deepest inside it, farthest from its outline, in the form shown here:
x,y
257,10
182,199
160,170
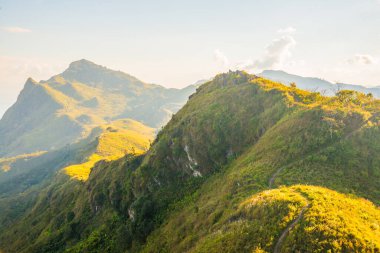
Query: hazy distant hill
x,y
63,109
316,84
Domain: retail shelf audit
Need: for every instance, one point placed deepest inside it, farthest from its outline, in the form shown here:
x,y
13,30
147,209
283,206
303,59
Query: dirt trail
x,y
271,180
277,247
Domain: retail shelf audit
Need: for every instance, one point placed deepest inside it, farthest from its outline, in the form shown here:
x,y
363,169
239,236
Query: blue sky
x,y
176,43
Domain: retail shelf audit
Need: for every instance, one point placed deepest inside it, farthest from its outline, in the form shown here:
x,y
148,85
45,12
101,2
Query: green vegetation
x,y
108,142
332,222
231,171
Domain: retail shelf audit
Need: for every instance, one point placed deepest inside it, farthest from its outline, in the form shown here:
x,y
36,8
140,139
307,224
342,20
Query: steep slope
x,y
316,84
65,108
28,175
206,182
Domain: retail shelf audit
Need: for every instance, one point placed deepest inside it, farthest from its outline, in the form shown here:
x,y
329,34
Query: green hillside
x,y
27,175
328,222
247,165
64,109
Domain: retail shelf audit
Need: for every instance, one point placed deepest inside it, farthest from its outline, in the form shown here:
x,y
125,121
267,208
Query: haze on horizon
x,y
176,43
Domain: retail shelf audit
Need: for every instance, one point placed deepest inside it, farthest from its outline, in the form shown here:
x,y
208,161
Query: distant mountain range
x,y
316,84
64,109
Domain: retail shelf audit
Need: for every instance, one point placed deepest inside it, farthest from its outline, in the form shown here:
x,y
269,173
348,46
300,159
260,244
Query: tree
x,y
370,96
293,85
346,96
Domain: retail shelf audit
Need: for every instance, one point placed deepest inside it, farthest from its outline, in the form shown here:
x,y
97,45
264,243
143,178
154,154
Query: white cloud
x,y
277,52
15,29
362,59
275,56
288,30
221,59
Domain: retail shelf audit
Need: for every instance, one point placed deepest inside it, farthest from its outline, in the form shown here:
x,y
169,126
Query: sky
x,y
175,43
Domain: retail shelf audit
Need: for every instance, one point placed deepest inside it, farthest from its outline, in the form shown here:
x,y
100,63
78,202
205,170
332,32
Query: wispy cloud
x,y
362,59
276,55
15,29
221,59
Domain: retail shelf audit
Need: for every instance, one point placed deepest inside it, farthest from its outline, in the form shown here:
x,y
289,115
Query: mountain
x,y
247,165
64,109
316,84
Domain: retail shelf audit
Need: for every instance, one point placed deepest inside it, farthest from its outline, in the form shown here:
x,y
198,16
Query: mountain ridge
x,y
82,97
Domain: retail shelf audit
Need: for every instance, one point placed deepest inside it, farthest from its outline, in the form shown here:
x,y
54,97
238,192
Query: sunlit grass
x,y
82,171
117,139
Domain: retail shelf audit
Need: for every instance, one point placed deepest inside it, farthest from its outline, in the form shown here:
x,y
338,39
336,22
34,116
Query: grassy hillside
x,y
116,140
20,186
107,142
329,222
209,182
64,109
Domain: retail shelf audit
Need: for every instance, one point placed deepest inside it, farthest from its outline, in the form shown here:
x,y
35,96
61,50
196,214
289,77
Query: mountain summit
x,y
82,67
99,76
83,63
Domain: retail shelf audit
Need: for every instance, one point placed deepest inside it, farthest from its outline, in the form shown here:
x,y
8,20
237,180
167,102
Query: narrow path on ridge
x,y
284,234
271,180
